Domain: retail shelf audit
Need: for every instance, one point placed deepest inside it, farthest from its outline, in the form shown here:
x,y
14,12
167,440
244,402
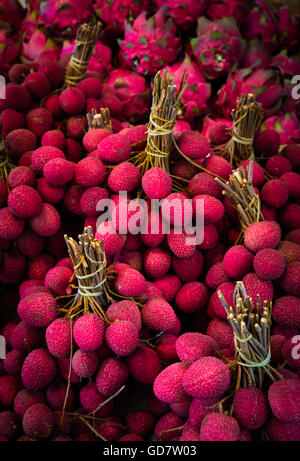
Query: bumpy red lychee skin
x,y
157,183
58,171
54,138
250,408
269,264
24,202
277,341
39,121
57,280
89,172
24,336
181,408
72,101
84,364
165,423
194,346
140,422
290,251
113,242
238,261
292,180
11,227
17,97
91,87
157,262
39,370
42,155
124,177
38,84
192,297
210,237
93,137
76,127
166,348
254,286
199,408
275,193
122,337
48,193
167,285
56,394
289,216
219,427
130,282
144,365
19,141
190,268
13,361
125,310
208,377
88,332
47,223
114,148
25,399
158,315
38,421
282,432
285,408
278,165
39,266
286,311
182,245
90,199
136,135
111,376
267,143
37,309
58,338
9,425
216,275
91,399
111,428
168,386
174,209
262,235
10,385
20,176
3,192
13,267
204,183
194,145
213,209
10,120
221,332
218,166
290,279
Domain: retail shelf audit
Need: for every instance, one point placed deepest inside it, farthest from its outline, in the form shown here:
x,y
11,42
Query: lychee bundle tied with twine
x,y
251,324
86,38
242,195
246,119
166,99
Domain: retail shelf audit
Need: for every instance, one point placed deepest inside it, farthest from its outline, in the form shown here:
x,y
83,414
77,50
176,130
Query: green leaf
x,y
143,40
146,58
277,125
162,43
216,34
202,58
129,45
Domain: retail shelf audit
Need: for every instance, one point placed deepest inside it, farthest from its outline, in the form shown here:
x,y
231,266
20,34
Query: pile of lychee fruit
x,y
156,365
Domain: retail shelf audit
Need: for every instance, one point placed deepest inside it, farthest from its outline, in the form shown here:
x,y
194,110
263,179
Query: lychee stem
x,y
99,119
